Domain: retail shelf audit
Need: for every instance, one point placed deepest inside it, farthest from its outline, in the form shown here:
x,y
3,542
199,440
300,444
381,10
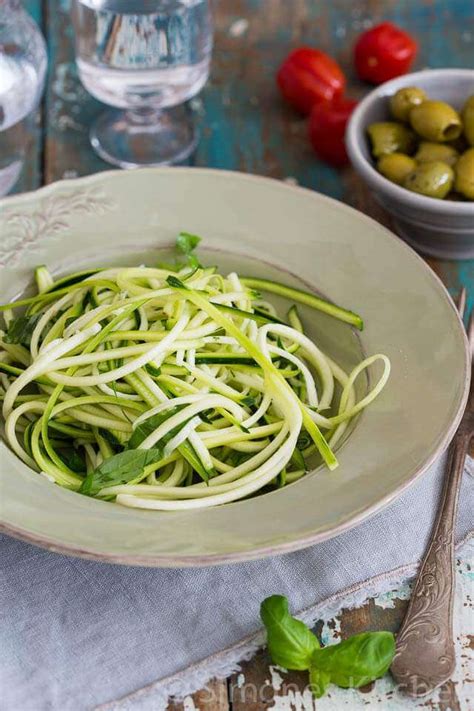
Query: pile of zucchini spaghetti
x,y
172,387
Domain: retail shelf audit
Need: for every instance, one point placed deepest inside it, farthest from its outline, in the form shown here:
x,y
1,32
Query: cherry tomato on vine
x,y
308,76
327,127
384,52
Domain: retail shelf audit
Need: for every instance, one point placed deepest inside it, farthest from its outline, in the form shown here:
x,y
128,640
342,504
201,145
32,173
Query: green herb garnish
x,y
290,643
21,329
356,661
122,468
352,663
148,426
187,243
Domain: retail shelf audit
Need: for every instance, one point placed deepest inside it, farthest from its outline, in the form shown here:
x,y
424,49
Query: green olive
x,y
464,182
468,120
433,179
428,152
390,137
404,100
436,121
396,166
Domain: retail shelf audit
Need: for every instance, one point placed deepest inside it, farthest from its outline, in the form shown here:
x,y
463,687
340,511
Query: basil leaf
x,y
318,681
194,263
356,661
21,329
145,428
120,469
290,643
148,426
72,459
187,243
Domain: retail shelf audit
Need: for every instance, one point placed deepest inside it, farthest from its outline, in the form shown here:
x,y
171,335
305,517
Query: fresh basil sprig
x,y
148,426
122,468
352,663
21,329
73,459
356,661
290,643
319,681
187,243
128,466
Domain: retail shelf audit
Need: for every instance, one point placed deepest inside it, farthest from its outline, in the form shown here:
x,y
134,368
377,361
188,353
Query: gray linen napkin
x,y
78,634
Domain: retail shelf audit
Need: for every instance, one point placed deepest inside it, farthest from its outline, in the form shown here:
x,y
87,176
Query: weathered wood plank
x,y
212,698
31,175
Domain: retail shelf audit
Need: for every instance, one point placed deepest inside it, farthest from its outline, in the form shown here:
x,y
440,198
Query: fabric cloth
x,y
78,634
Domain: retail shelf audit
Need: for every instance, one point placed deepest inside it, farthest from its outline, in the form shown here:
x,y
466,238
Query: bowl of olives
x,y
412,140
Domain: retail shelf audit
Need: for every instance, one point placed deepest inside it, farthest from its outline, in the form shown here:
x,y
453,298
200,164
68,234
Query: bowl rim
x,y
273,549
353,144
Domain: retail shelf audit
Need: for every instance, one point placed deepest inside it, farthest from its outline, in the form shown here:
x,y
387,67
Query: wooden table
x,y
245,127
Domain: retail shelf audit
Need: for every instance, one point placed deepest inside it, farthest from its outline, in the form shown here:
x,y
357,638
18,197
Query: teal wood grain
x,y
244,125
31,175
34,8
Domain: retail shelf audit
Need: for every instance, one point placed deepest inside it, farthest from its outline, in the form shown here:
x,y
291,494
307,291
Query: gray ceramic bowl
x,y
441,228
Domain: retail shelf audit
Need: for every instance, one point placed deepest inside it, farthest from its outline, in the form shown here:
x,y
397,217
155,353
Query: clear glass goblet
x,y
23,63
146,58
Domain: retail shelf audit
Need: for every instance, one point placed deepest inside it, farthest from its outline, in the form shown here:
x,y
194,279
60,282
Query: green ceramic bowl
x,y
264,228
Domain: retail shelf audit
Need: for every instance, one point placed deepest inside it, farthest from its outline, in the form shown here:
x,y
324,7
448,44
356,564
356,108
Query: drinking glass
x,y
146,58
23,65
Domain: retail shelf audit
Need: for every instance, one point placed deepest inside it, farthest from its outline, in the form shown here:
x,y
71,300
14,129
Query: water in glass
x,y
22,73
133,53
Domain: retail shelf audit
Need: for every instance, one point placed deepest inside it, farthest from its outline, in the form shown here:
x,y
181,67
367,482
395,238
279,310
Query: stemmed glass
x,y
146,58
23,63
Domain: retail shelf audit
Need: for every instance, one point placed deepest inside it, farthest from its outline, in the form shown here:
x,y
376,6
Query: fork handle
x,y
425,656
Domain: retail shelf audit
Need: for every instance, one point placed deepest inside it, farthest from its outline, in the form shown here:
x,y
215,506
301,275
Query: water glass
x,y
23,63
145,58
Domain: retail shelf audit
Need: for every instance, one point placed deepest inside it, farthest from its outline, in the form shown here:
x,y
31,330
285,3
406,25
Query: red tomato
x,y
327,127
384,52
307,76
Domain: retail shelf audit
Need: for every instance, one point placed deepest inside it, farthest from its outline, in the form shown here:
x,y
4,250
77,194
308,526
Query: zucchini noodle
x,y
173,387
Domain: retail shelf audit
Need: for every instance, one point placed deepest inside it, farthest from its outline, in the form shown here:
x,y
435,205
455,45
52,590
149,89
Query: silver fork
x,y
425,656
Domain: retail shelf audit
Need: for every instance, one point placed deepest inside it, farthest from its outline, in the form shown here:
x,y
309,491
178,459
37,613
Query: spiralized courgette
x,y
172,387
